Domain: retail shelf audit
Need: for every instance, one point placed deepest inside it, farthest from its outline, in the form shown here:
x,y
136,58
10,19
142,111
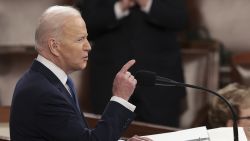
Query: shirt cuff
x,y
123,102
147,8
118,11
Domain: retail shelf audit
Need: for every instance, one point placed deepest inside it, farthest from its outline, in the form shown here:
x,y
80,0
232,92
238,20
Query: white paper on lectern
x,y
226,134
183,135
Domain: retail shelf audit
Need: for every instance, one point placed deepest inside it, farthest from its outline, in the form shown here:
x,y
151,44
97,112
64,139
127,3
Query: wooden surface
x,y
240,65
4,126
4,113
136,128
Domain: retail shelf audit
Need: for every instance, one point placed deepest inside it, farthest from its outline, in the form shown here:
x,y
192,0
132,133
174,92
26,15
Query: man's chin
x,y
83,66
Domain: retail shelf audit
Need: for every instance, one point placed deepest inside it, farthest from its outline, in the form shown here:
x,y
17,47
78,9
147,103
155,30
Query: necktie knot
x,y
69,82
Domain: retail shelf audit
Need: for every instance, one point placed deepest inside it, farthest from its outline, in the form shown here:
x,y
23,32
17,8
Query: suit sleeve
x,y
99,15
171,14
57,120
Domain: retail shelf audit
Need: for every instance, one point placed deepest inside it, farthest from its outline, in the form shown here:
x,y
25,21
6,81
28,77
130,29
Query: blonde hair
x,y
51,22
237,95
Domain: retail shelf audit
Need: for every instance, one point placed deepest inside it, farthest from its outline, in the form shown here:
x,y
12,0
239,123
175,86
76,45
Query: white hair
x,y
51,22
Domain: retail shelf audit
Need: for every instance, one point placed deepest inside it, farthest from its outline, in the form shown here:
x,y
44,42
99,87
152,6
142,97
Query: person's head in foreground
x,y
61,36
239,97
44,107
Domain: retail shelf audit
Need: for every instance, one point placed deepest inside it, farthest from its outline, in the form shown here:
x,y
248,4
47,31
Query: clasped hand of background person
x,y
127,4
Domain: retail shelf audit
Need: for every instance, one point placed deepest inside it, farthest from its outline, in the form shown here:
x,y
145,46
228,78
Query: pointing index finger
x,y
127,66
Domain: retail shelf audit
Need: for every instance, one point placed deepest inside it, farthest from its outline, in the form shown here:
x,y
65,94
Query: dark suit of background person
x,y
42,106
150,38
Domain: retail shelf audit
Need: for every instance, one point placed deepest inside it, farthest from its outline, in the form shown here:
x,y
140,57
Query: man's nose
x,y
87,46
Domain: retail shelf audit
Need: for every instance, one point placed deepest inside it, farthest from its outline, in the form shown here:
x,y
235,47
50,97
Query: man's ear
x,y
229,123
53,46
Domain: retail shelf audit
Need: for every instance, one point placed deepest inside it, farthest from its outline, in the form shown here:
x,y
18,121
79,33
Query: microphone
x,y
148,78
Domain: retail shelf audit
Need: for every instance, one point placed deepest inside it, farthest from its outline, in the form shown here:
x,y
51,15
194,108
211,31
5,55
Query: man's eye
x,y
80,39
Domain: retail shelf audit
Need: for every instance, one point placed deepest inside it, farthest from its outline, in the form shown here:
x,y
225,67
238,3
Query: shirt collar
x,y
60,74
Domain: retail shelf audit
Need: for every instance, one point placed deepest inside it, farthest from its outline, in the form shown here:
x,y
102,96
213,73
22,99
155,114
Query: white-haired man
x,y
44,106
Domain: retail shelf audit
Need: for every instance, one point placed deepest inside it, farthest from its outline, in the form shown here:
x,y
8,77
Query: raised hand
x,y
124,83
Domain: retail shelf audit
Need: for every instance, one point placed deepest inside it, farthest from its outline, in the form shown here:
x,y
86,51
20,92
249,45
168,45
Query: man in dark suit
x,y
141,29
44,106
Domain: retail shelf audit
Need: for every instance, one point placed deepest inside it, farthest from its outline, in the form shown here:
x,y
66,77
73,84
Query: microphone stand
x,y
169,82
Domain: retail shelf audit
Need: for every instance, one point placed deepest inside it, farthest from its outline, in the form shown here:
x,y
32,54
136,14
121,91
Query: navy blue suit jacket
x,y
43,110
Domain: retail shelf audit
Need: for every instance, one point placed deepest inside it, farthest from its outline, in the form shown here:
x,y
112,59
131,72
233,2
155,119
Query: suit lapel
x,y
39,67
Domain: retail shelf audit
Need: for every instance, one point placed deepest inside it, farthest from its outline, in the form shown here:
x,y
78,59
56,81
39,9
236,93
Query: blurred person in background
x,y
144,30
219,114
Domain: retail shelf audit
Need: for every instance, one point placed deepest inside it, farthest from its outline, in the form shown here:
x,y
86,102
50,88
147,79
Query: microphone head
x,y
145,78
